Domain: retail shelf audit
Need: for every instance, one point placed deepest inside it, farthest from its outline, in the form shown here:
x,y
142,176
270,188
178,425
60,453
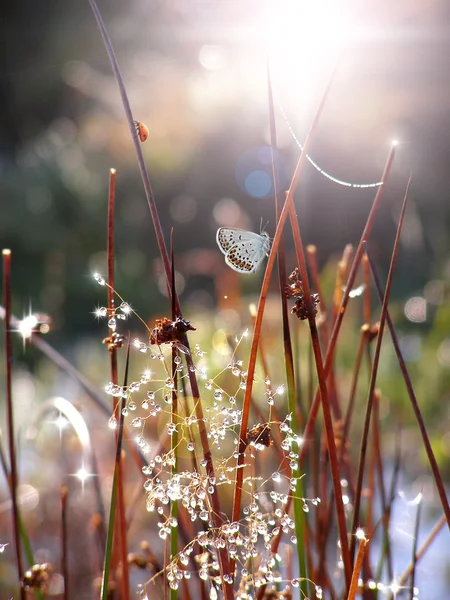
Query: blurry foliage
x,y
62,128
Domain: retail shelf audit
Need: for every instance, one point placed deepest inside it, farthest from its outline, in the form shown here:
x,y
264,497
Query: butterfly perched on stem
x,y
244,250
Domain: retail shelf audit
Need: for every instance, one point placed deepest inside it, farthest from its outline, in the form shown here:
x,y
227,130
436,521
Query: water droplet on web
x,y
112,423
170,383
137,422
99,279
218,395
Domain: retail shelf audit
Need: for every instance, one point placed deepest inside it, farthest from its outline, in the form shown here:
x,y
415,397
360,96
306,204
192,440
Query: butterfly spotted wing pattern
x,y
244,250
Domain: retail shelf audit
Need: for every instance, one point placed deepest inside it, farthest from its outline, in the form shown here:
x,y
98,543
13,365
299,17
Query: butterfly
x,y
244,250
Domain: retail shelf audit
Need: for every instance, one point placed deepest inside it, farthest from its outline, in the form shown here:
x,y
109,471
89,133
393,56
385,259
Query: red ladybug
x,y
141,130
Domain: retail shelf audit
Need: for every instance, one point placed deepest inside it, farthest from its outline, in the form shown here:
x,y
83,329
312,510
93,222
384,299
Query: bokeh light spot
x,y
227,212
254,172
416,309
258,184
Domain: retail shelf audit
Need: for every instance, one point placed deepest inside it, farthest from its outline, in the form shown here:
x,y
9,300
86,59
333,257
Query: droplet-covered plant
x,y
176,473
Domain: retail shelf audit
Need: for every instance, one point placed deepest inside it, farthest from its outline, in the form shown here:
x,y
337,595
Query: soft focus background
x,y
195,73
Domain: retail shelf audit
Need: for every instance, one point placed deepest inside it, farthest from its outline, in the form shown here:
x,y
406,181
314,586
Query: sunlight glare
x,y
27,325
82,474
303,36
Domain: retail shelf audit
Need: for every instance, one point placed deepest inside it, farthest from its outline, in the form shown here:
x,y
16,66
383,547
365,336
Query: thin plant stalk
x,y
385,510
367,306
373,375
345,298
261,305
420,553
299,513
415,405
121,521
216,512
414,548
331,442
356,570
114,493
64,557
388,509
174,422
328,362
310,423
28,550
10,415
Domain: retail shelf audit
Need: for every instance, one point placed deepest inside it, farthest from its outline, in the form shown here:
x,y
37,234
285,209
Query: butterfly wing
x,y
226,238
247,252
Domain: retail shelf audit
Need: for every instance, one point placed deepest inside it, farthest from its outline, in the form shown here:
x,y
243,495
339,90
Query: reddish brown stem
x,y
309,428
415,405
121,520
261,305
64,557
217,512
331,442
373,376
10,415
